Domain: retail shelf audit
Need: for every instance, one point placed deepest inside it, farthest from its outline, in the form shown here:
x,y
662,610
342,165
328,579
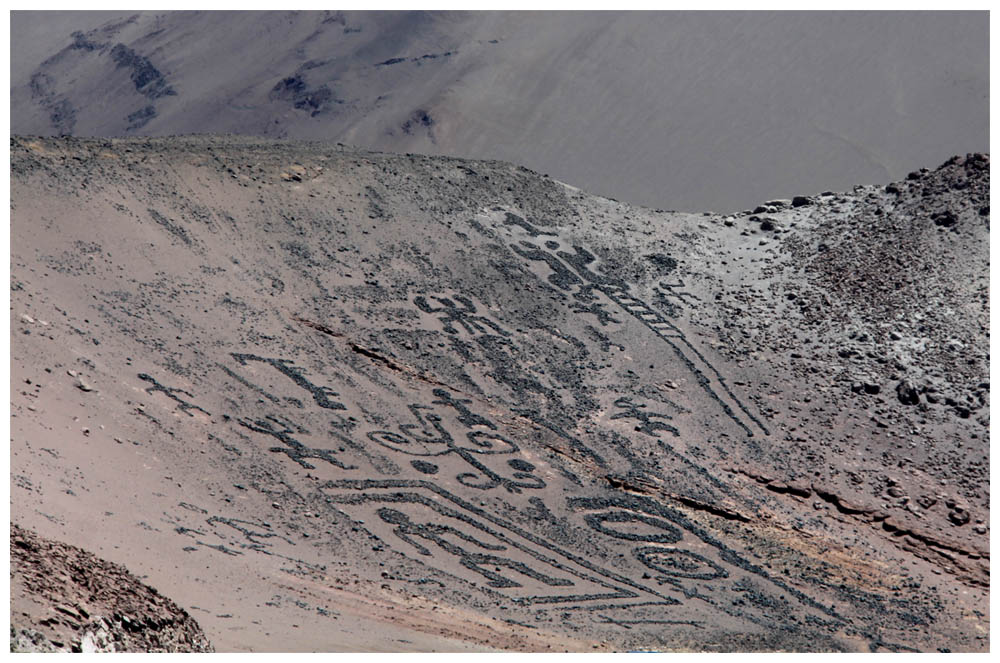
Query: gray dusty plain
x,y
326,399
673,110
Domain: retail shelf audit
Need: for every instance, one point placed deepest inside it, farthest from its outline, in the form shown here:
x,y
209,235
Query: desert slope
x,y
330,399
676,110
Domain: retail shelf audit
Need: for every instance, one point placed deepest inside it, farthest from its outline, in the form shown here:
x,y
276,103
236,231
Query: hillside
x,y
330,399
675,110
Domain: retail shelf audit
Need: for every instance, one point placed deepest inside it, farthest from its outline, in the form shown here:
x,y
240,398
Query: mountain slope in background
x,y
332,399
684,111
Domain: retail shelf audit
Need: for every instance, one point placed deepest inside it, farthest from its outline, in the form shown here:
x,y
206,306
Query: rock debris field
x,y
326,400
83,604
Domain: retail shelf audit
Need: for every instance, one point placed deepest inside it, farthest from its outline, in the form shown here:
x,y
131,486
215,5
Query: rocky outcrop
x,y
65,599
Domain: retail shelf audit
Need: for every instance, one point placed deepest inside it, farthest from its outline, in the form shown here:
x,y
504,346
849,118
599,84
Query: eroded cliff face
x,y
335,400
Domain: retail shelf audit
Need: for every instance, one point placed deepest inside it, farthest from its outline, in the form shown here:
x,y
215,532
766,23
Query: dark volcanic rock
x,y
946,218
872,388
959,516
141,117
147,79
907,393
302,96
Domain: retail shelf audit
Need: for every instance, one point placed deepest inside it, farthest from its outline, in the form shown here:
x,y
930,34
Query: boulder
x,y
907,393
